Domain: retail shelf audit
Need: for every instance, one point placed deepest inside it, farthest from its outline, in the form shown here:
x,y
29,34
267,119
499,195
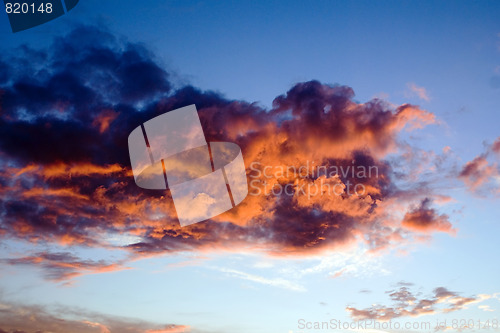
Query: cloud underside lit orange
x,y
68,179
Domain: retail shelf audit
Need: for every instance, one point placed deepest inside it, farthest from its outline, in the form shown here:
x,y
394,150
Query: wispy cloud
x,y
482,174
349,262
423,218
420,92
486,308
274,282
172,329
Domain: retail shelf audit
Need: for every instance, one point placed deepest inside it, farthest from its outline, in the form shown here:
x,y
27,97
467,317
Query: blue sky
x,y
441,56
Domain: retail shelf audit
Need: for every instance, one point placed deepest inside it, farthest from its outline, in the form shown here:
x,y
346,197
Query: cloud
x,y
102,328
15,317
477,172
415,90
63,266
275,282
495,147
408,304
171,329
482,175
486,308
65,175
423,218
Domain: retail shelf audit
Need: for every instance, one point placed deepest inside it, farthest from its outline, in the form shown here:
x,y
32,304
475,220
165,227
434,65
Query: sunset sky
x,y
411,89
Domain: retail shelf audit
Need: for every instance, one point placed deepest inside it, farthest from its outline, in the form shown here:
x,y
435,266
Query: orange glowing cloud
x,y
424,219
317,165
16,317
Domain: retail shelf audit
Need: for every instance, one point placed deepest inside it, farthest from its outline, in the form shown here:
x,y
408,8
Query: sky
x,y
410,89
